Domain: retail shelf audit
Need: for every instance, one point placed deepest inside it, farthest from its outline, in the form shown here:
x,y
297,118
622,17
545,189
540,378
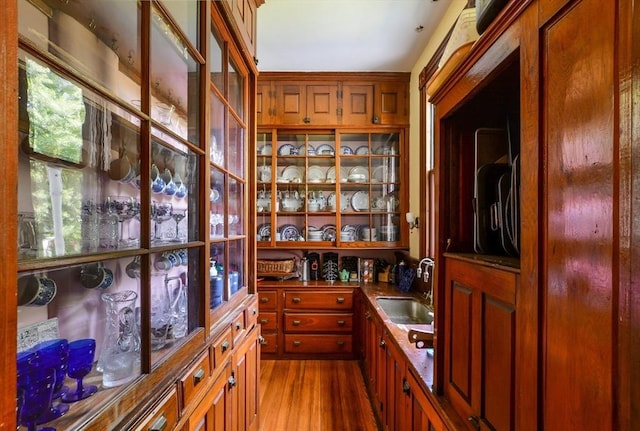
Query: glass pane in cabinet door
x,y
385,144
236,89
319,145
263,146
237,148
237,208
216,61
78,153
387,227
217,199
217,280
99,40
174,298
94,308
236,277
354,144
217,133
174,195
186,14
175,81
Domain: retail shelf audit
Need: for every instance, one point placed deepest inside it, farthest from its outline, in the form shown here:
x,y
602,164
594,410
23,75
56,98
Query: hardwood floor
x,y
314,396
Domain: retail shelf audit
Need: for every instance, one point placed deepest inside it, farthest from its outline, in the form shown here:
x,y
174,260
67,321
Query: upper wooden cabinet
x,y
244,13
341,99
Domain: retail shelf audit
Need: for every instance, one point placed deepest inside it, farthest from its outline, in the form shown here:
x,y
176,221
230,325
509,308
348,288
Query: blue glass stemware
x,y
81,355
37,387
54,354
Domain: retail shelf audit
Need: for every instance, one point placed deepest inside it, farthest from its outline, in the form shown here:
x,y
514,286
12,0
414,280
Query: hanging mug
x,y
36,290
157,183
96,276
170,185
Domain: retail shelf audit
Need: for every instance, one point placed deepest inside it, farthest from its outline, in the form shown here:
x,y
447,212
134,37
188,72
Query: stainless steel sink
x,y
406,310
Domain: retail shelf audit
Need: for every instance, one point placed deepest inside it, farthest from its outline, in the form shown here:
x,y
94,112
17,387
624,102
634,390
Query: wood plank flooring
x,y
314,396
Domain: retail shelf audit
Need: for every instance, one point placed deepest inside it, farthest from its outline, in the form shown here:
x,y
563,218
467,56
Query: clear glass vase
x,y
121,349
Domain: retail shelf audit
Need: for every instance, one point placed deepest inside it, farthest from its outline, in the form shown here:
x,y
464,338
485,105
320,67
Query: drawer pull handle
x,y
297,343
341,322
340,343
340,300
262,340
159,425
296,300
264,321
224,346
296,323
198,376
264,299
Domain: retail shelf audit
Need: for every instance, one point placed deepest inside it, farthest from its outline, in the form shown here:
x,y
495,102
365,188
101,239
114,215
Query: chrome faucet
x,y
424,273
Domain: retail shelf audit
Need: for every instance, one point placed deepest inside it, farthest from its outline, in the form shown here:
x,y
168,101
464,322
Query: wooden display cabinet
x,y
116,163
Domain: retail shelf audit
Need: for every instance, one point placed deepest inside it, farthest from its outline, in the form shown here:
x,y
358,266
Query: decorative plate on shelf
x,y
362,150
345,201
329,232
347,151
264,231
378,203
315,174
358,174
325,150
360,201
287,150
378,174
265,150
351,230
331,174
293,174
289,232
303,150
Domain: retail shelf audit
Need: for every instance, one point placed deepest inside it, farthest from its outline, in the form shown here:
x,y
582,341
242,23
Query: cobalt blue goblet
x,y
37,387
81,355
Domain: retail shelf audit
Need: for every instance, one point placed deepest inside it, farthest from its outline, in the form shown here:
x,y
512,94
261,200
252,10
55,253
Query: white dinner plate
x,y
362,150
287,150
325,150
360,201
315,174
293,173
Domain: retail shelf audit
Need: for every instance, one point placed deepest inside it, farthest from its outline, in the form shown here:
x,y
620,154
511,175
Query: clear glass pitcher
x,y
120,357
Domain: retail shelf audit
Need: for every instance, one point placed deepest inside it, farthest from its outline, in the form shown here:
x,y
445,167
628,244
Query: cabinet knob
x,y
340,300
254,311
341,322
475,422
306,120
238,326
382,344
198,376
224,346
262,340
159,425
405,387
296,323
232,381
375,119
296,300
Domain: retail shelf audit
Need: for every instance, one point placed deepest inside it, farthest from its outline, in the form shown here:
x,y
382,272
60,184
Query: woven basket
x,y
280,266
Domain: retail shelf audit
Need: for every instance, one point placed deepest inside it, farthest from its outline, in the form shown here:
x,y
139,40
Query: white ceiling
x,y
345,35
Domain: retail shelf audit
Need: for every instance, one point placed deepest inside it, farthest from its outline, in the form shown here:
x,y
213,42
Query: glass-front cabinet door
x,y
125,204
329,189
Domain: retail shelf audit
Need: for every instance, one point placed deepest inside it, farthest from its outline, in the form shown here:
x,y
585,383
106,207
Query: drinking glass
x,y
37,386
160,212
178,214
81,354
124,208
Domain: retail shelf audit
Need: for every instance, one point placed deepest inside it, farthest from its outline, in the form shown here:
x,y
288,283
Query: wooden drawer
x,y
195,379
222,348
268,300
318,322
268,321
269,343
251,317
238,327
319,300
162,417
306,343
